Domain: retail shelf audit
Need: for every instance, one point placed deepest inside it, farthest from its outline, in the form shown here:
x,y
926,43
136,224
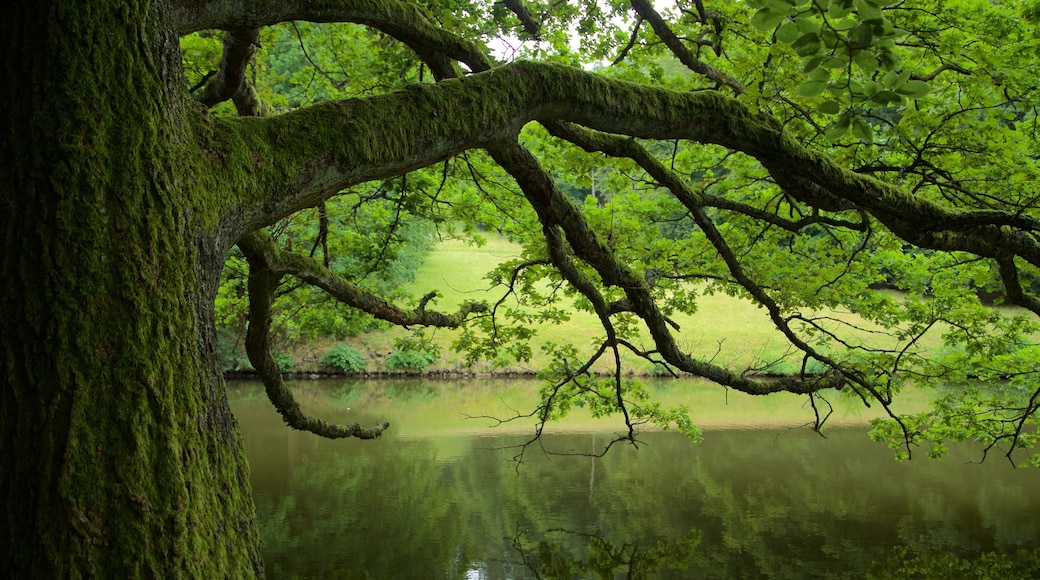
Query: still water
x,y
440,495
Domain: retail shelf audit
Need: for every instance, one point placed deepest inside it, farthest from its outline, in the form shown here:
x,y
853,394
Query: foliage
x,y
345,358
848,51
413,354
907,564
864,145
285,361
798,154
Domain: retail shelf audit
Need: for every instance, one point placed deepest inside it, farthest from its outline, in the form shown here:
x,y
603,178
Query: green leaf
x,y
807,25
807,45
820,74
830,107
812,64
914,89
839,9
845,24
866,61
886,98
788,32
893,79
885,29
829,38
862,130
864,35
812,88
836,61
868,11
766,19
838,128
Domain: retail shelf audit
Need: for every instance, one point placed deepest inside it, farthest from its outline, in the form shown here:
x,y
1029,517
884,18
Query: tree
x,y
818,148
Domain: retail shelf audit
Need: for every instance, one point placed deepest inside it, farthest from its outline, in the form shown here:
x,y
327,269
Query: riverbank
x,y
730,331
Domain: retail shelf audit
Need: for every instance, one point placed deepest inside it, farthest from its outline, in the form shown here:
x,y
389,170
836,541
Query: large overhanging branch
x,y
402,20
304,157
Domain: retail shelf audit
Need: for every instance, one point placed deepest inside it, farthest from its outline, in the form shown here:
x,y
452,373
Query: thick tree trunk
x,y
119,457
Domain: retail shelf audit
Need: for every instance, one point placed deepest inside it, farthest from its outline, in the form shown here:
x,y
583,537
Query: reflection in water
x,y
436,498
605,559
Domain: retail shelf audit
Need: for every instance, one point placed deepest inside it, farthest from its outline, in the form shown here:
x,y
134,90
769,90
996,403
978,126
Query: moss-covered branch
x,y
402,20
263,280
229,82
293,161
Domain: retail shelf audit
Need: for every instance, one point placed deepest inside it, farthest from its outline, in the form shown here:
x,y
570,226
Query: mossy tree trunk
x,y
120,198
119,457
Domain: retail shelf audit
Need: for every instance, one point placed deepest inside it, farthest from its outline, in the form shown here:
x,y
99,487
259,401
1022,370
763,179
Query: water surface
x,y
440,496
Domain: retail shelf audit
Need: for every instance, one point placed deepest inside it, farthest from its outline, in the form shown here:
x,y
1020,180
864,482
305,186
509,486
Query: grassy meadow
x,y
732,331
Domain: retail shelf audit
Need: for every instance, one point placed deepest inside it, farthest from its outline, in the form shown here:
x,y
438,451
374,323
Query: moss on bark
x,y
288,162
118,454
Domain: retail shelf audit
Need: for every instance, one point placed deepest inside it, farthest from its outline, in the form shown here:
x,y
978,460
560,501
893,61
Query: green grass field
x,y
734,332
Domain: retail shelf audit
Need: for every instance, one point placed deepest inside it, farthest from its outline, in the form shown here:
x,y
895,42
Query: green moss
x,y
127,462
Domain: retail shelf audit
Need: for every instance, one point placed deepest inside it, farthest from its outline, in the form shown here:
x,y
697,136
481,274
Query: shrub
x,y
414,354
410,360
345,358
285,362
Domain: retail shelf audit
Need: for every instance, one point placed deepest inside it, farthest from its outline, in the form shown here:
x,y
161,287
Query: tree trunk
x,y
119,457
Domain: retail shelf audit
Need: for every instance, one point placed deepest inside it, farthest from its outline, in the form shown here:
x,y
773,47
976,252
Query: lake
x,y
440,495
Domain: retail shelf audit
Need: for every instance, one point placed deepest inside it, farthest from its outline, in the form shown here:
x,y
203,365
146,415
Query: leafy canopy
x,y
870,183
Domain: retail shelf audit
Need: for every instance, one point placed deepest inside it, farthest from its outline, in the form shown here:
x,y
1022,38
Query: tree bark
x,y
119,457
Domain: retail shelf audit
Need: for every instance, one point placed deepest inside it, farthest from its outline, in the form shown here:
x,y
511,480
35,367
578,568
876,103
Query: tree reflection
x,y
906,563
602,558
743,504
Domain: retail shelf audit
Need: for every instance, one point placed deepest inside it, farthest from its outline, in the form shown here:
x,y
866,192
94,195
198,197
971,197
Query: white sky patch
x,y
509,48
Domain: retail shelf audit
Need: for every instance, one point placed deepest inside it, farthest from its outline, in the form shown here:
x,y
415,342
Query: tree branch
x,y
517,7
261,252
557,213
300,158
262,284
664,32
229,82
402,20
1013,287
